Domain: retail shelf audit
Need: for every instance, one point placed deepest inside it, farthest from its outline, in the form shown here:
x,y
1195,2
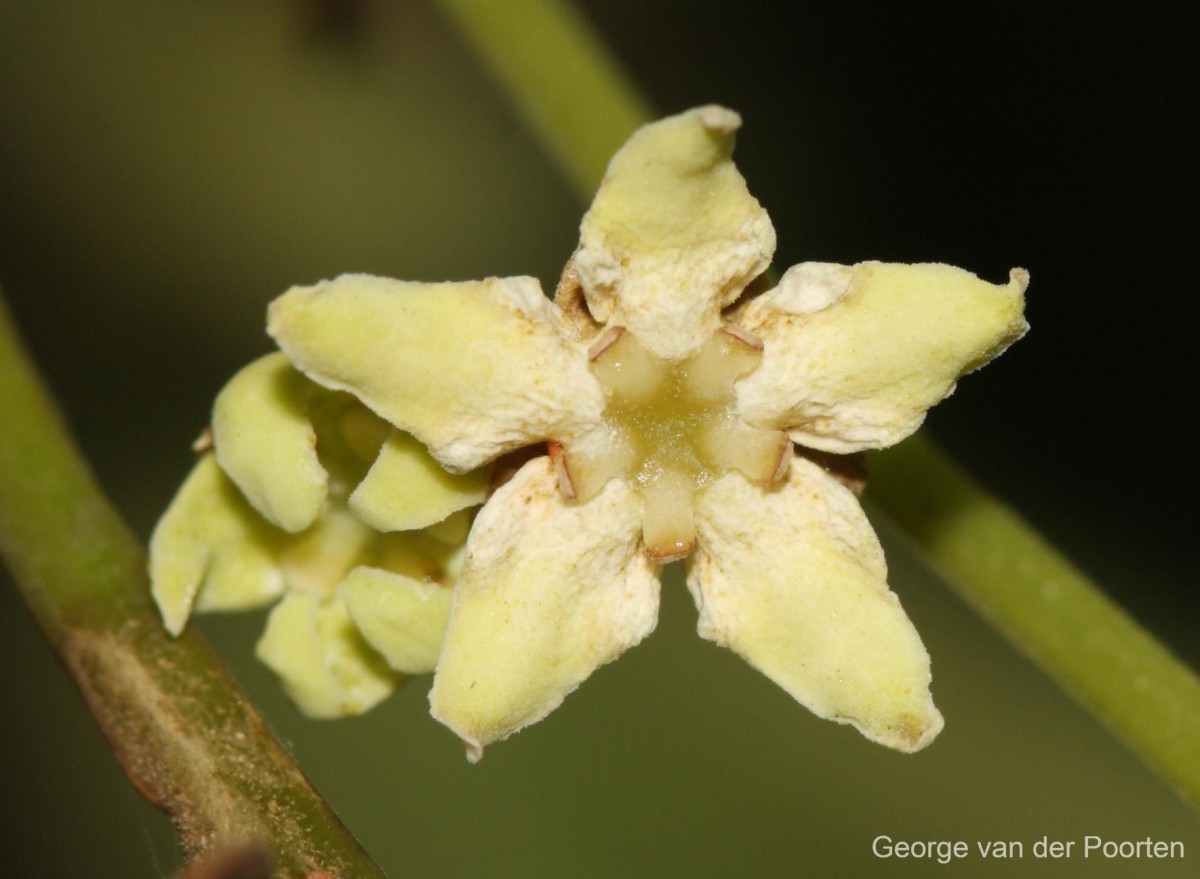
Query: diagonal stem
x,y
576,99
1047,607
184,732
560,76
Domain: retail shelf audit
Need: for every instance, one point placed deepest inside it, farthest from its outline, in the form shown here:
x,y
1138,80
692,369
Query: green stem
x,y
556,72
185,733
561,77
1047,607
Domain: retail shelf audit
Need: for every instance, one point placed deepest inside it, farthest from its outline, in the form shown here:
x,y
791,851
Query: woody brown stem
x,y
185,733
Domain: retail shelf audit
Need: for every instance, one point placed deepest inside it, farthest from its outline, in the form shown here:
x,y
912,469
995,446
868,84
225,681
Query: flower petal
x,y
407,489
854,355
550,591
472,370
401,617
266,444
794,581
210,549
317,561
673,234
322,661
452,530
422,555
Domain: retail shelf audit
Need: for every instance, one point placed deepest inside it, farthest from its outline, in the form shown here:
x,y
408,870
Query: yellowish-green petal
x,y
316,561
403,618
550,591
322,661
673,234
267,445
793,580
210,550
453,529
407,489
853,356
472,369
420,554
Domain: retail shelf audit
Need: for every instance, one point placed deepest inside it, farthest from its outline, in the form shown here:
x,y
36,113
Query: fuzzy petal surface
x,y
210,550
853,356
322,661
267,445
407,489
793,580
550,591
673,234
472,369
317,561
401,617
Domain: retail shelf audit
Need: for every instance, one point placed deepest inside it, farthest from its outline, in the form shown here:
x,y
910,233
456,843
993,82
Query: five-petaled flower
x,y
677,407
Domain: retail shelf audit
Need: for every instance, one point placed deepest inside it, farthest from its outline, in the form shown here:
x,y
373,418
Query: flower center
x,y
670,429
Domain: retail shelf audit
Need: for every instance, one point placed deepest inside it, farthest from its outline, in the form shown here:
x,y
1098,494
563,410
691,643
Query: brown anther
x,y
785,457
607,339
744,336
558,457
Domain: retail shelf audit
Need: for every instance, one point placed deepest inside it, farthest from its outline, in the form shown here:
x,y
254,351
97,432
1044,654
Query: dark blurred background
x,y
167,169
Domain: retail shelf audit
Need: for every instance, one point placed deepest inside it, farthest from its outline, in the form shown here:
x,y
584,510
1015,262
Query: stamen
x,y
670,429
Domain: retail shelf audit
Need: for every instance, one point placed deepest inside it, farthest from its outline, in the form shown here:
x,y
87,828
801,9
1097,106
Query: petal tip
x,y
718,119
911,733
472,745
1019,278
174,624
907,732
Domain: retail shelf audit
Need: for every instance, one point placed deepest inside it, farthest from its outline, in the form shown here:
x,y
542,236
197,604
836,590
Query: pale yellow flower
x,y
670,399
308,499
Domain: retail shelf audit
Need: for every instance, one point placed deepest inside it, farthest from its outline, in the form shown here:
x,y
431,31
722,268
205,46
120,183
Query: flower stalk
x,y
183,730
